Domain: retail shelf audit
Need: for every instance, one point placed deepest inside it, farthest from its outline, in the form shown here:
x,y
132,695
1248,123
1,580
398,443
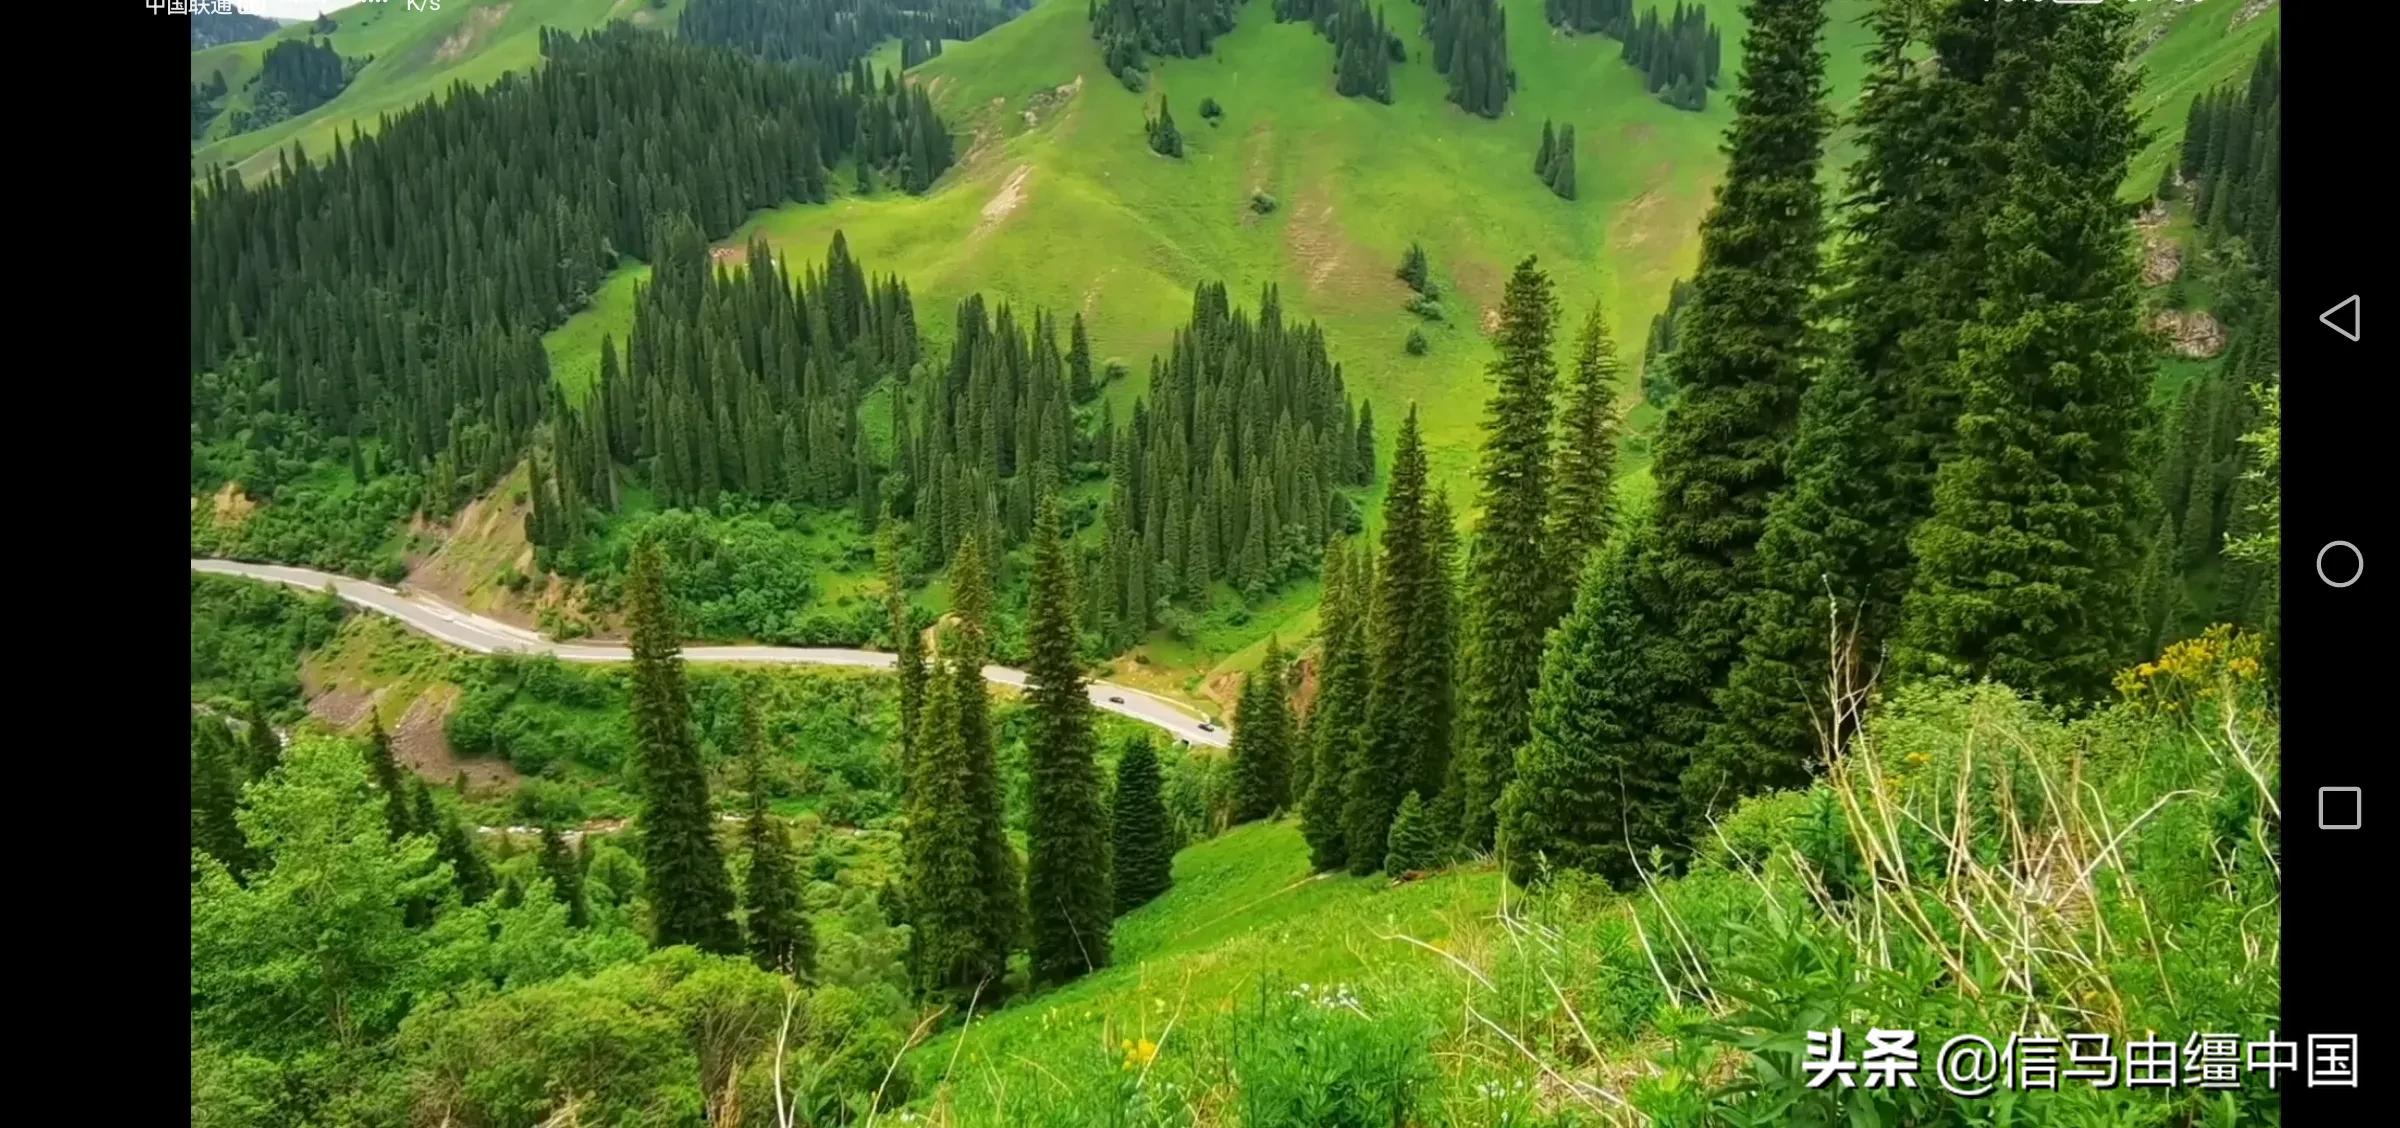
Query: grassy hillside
x,y
1059,203
417,54
1252,993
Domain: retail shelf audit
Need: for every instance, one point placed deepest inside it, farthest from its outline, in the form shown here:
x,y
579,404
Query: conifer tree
x,y
216,791
468,869
2025,561
386,773
962,892
1663,635
1561,178
1595,787
1407,734
1744,355
1335,725
1500,643
1417,844
690,892
1079,364
1144,851
1583,472
906,641
1546,153
781,938
1833,558
1262,741
566,877
1067,893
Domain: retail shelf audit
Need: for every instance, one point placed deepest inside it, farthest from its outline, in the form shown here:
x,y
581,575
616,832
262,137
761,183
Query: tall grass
x,y
1969,863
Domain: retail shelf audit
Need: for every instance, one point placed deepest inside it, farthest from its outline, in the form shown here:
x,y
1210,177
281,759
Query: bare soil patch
x,y
2192,334
480,23
1007,200
230,507
1336,266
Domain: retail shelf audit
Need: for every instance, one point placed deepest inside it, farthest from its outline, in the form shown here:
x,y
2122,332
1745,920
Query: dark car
x,y
1207,727
1116,701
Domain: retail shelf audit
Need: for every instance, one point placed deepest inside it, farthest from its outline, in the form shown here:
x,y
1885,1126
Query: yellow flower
x,y
1140,1053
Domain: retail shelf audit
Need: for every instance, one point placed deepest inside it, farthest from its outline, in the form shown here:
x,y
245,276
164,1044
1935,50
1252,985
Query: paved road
x,y
469,631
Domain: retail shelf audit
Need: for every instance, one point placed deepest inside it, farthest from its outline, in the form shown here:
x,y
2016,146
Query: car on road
x,y
1116,701
1207,727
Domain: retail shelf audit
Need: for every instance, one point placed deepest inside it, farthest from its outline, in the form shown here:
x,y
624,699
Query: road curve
x,y
469,631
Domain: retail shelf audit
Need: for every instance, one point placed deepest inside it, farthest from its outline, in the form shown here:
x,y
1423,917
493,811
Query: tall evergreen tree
x,y
1671,625
1406,740
1507,612
1067,893
1337,722
566,877
690,892
963,878
1080,386
1143,856
2025,561
908,644
386,773
1595,788
468,869
781,938
1583,473
1262,741
1834,557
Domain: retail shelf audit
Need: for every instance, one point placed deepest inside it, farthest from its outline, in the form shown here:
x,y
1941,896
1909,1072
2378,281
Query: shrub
x,y
1263,203
1210,110
1416,342
1425,307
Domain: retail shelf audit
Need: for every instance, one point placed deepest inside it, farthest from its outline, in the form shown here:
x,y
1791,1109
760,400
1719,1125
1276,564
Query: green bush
x,y
1416,342
1320,1057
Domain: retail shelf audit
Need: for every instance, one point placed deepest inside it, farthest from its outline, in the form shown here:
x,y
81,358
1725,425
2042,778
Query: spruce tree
x,y
1835,557
1080,387
1744,354
908,644
1407,734
690,892
1595,785
962,889
2025,562
1583,472
566,877
468,869
386,773
216,792
1067,893
1336,724
1416,844
781,938
1562,165
1506,609
1261,741
1546,153
1144,850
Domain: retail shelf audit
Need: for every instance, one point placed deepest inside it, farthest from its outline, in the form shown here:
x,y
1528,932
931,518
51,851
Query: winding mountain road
x,y
469,631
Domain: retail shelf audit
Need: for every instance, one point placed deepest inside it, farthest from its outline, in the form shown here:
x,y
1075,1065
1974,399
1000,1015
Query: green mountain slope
x,y
1061,204
416,54
1058,202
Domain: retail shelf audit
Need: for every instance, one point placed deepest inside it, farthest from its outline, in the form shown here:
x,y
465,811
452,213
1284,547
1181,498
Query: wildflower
x,y
1139,1053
